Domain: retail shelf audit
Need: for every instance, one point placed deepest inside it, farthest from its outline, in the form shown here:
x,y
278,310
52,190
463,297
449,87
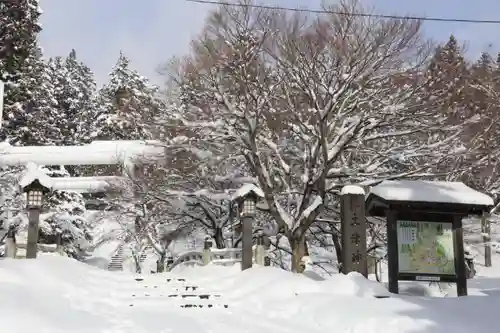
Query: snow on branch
x,y
313,105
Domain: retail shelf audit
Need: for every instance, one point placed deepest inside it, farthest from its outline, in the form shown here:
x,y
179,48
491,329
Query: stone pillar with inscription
x,y
353,229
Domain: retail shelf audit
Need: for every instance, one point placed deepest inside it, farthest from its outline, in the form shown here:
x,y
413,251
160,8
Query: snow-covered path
x,y
55,294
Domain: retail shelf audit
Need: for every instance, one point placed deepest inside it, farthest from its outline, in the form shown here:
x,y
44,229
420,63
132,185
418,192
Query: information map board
x,y
425,247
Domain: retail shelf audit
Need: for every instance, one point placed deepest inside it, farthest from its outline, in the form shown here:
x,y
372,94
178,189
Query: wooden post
x,y
31,244
246,255
353,230
458,247
486,231
392,252
207,251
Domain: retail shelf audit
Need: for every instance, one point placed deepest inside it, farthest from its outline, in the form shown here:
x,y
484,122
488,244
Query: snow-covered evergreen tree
x,y
66,218
18,39
28,116
74,89
449,70
127,105
11,200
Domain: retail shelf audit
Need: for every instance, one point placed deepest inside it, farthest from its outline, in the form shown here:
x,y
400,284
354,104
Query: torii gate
x,y
120,152
124,153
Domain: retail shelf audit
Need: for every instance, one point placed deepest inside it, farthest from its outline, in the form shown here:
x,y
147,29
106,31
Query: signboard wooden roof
x,y
446,197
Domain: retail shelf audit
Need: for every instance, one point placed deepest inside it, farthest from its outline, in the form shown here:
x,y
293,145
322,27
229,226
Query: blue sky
x,y
151,31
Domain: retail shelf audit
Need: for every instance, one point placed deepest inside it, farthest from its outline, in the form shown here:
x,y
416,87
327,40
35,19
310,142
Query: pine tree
x,y
83,109
18,36
18,32
34,121
75,87
450,75
11,200
28,105
496,70
66,218
481,72
128,105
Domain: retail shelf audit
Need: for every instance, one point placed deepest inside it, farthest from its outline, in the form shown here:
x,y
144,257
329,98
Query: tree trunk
x,y
160,263
299,250
338,249
486,230
219,238
137,262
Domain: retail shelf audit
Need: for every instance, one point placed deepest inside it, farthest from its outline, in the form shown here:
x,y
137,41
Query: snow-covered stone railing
x,y
220,257
18,250
225,257
191,258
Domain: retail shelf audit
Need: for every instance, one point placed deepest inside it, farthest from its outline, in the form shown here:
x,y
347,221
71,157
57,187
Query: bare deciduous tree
x,y
313,103
145,215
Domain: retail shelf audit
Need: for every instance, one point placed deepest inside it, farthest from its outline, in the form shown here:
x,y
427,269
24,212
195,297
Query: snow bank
x,y
353,284
57,294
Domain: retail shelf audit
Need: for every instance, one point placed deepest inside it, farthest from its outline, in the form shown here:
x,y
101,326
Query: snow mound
x,y
57,294
354,284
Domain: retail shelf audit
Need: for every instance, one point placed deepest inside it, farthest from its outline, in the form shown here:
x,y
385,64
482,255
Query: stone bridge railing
x,y
18,251
222,257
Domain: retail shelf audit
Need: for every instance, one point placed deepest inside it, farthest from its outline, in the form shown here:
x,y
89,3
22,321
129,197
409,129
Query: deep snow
x,y
56,294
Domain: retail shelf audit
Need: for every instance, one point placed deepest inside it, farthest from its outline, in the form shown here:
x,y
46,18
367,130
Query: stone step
x,y
190,305
178,281
177,296
115,268
147,251
168,280
207,306
116,262
200,296
172,287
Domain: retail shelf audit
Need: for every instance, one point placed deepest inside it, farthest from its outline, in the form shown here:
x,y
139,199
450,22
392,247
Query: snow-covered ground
x,y
56,294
